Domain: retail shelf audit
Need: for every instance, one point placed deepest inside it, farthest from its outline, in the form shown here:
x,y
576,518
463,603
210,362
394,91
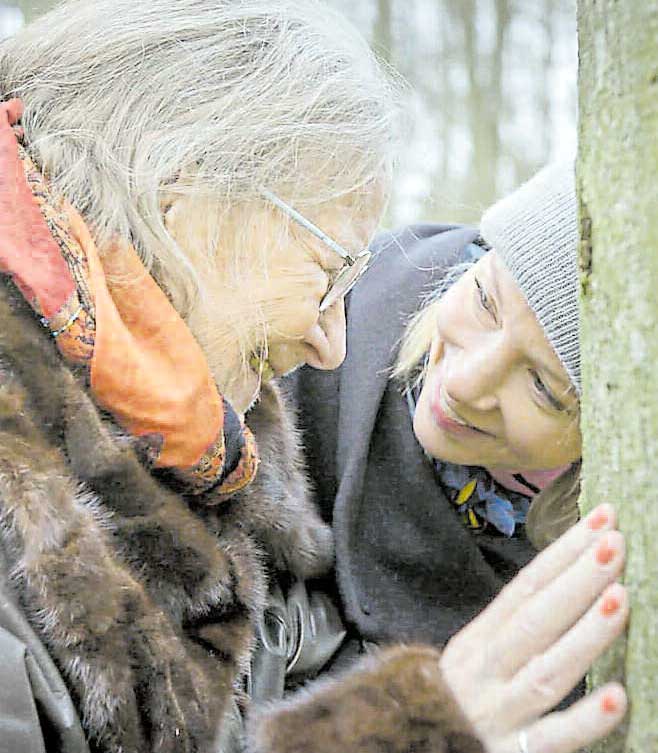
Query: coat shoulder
x,y
415,255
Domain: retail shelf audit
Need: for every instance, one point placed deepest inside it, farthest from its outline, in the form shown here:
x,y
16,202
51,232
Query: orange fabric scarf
x,y
109,316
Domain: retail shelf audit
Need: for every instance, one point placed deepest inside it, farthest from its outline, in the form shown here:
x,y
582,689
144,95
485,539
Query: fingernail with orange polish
x,y
605,553
609,704
609,606
597,519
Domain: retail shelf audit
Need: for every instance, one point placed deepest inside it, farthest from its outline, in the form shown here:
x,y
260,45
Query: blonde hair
x,y
409,366
555,508
123,97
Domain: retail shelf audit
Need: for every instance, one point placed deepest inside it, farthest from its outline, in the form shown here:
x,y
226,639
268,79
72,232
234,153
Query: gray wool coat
x,y
406,567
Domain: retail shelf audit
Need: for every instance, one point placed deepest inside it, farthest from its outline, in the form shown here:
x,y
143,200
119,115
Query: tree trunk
x,y
495,96
383,32
480,186
484,99
618,179
547,25
33,8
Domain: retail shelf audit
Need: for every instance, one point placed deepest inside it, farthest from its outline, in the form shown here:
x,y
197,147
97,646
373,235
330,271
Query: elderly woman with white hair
x,y
146,136
152,281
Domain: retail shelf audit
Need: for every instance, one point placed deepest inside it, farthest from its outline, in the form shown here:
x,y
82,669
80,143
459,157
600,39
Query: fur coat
x,y
145,599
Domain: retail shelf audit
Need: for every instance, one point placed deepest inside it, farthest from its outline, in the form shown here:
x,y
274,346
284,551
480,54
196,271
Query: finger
x,y
543,619
546,566
547,679
582,724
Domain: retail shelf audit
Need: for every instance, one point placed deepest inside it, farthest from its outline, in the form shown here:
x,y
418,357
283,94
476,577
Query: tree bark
x,y
617,180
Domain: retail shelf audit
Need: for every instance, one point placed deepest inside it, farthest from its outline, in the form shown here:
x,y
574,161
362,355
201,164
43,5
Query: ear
x,y
186,216
169,202
173,190
166,201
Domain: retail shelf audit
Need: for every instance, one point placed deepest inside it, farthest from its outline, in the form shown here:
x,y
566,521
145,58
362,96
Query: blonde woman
x,y
152,281
438,441
448,443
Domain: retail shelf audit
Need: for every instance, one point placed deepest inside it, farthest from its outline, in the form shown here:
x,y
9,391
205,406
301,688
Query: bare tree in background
x,y
484,101
462,61
547,22
383,34
33,8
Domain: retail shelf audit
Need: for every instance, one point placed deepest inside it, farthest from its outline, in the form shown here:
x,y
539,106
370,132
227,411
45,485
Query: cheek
x,y
568,442
290,301
423,427
292,318
543,444
293,314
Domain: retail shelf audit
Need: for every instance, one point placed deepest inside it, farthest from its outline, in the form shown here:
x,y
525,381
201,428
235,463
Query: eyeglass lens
x,y
345,281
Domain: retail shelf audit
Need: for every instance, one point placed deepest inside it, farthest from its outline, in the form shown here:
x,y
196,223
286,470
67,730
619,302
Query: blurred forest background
x,y
492,97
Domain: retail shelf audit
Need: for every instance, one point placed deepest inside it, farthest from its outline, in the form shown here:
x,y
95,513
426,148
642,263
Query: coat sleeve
x,y
33,696
395,701
20,729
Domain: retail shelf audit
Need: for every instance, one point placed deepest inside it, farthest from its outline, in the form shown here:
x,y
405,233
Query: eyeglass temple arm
x,y
300,219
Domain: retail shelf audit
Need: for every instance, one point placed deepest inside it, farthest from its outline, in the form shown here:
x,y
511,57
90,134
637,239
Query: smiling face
x,y
263,284
495,393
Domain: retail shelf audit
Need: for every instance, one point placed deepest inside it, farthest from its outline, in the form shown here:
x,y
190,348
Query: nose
x,y
475,373
328,339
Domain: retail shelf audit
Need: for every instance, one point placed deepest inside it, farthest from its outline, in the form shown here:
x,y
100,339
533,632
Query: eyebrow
x,y
564,387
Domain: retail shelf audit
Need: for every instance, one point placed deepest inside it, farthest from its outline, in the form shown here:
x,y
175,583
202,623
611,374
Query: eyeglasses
x,y
353,267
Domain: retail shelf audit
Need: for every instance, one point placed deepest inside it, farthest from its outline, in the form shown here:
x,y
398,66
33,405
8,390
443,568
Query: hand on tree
x,y
526,651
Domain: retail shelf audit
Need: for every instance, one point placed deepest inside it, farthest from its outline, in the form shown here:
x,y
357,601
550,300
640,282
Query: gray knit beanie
x,y
535,231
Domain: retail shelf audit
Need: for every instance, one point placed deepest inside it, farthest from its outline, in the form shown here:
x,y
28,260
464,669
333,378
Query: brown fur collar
x,y
145,604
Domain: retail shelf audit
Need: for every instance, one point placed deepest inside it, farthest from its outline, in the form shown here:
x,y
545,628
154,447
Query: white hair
x,y
123,97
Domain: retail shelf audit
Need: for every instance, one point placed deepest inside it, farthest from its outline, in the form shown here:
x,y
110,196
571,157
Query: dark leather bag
x,y
299,632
